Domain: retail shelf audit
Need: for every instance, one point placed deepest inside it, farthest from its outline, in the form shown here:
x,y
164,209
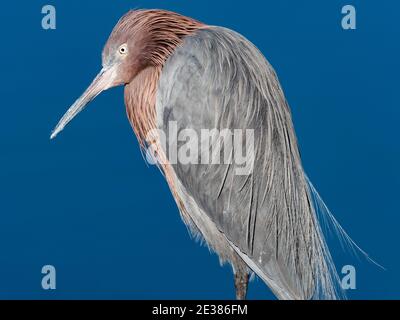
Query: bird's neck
x,y
140,101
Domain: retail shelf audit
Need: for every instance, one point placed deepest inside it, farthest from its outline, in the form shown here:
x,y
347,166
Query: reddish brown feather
x,y
157,33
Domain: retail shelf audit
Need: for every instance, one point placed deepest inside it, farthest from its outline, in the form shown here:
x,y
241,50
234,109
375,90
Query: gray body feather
x,y
266,220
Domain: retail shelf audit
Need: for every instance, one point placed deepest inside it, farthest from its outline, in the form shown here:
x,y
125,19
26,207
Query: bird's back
x,y
217,79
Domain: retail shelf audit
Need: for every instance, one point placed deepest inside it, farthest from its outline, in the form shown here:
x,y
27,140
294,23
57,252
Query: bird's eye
x,y
123,49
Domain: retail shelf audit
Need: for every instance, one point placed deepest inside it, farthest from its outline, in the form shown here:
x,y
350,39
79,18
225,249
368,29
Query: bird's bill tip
x,y
53,135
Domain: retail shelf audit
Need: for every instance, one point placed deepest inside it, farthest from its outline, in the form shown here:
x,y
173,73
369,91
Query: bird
x,y
178,71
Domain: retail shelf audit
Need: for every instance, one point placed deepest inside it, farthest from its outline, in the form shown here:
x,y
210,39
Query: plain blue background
x,y
88,204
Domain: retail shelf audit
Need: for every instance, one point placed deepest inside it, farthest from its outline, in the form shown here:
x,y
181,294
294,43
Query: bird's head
x,y
140,39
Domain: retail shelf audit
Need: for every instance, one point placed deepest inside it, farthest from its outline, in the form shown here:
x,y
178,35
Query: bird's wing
x,y
257,198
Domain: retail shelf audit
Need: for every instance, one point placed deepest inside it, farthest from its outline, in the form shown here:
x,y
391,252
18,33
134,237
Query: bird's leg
x,y
241,274
241,282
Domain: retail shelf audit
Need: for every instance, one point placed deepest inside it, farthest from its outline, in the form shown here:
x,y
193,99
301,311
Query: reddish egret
x,y
178,70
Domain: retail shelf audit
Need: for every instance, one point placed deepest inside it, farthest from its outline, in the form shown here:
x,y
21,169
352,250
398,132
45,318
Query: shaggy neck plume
x,y
165,31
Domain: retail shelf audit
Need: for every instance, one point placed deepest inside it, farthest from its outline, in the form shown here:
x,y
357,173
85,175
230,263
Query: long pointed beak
x,y
103,81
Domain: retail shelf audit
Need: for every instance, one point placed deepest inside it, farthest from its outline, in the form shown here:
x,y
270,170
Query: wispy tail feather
x,y
328,221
